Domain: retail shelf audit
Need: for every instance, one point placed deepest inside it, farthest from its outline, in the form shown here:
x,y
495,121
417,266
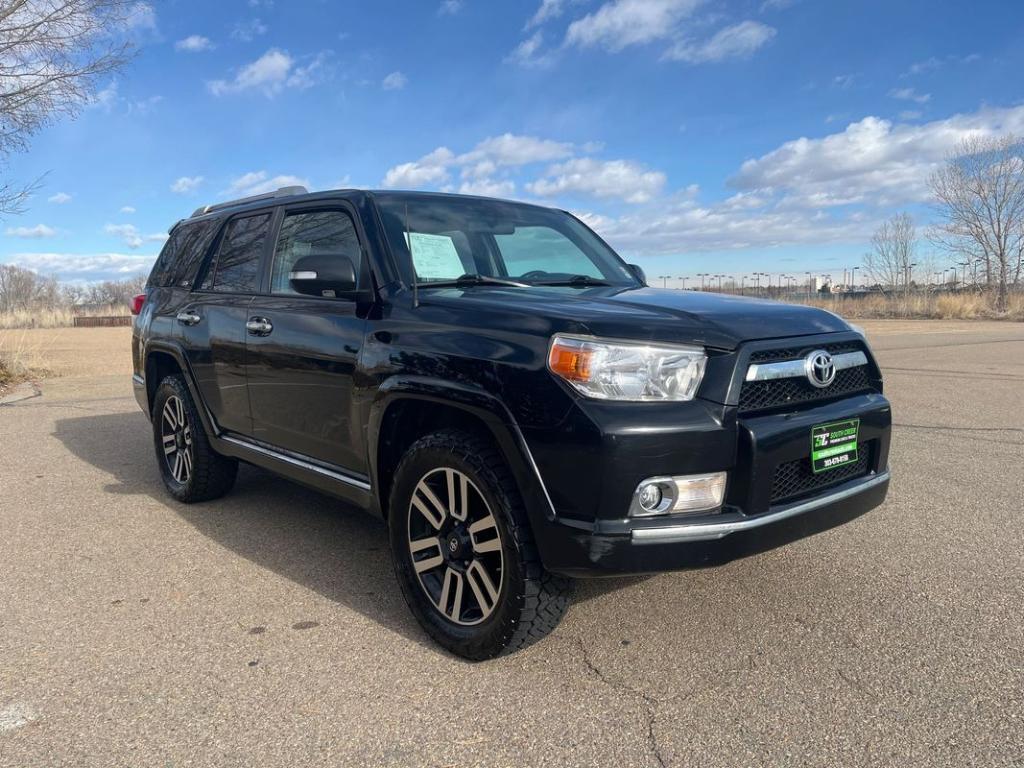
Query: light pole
x,y
683,278
702,275
853,276
664,280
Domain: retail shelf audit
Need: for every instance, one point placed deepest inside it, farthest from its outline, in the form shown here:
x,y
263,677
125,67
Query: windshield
x,y
454,236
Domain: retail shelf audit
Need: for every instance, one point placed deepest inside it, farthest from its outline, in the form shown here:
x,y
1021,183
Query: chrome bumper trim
x,y
791,369
724,525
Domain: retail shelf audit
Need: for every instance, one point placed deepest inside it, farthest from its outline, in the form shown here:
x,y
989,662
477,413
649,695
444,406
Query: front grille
x,y
760,395
796,478
777,393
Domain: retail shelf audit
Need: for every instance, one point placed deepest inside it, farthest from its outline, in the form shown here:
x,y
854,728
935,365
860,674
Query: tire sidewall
x,y
173,387
478,641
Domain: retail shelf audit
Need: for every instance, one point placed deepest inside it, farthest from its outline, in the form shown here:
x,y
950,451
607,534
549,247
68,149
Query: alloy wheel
x,y
176,436
456,546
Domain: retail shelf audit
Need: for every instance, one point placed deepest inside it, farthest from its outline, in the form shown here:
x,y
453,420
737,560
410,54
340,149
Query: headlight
x,y
622,370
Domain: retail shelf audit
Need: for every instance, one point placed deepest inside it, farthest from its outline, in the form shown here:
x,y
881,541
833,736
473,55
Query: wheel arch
x,y
409,407
165,358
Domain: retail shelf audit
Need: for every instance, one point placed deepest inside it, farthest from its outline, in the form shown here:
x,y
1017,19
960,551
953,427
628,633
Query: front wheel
x,y
464,551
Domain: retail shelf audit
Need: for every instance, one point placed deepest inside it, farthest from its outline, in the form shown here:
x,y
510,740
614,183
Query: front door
x,y
301,350
213,321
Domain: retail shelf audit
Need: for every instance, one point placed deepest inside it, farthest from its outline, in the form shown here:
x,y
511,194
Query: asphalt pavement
x,y
267,628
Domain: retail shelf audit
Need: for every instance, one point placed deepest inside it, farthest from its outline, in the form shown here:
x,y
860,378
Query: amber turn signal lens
x,y
569,361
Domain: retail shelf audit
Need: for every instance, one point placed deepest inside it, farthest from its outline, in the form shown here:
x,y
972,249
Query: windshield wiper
x,y
583,281
468,280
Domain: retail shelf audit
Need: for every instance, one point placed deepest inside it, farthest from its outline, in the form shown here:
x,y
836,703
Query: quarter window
x,y
322,233
237,268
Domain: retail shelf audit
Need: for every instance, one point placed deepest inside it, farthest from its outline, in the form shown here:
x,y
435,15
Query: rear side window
x,y
182,255
323,233
237,267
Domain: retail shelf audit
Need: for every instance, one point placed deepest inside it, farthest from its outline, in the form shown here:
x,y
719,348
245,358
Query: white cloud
x,y
872,160
141,16
550,9
247,31
186,184
429,169
395,81
529,52
59,199
85,267
619,24
513,149
194,44
36,232
272,72
909,94
258,183
676,227
449,7
506,151
619,179
488,188
737,41
131,235
127,209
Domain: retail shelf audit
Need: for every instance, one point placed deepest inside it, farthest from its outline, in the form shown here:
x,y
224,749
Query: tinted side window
x,y
323,233
193,243
237,268
158,276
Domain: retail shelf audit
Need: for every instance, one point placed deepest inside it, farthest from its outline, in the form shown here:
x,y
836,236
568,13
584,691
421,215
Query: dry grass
x,y
60,317
23,357
944,306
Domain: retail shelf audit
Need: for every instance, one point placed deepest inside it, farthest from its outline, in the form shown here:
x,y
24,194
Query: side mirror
x,y
325,274
638,273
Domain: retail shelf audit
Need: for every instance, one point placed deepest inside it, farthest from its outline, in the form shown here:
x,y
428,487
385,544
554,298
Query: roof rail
x,y
282,192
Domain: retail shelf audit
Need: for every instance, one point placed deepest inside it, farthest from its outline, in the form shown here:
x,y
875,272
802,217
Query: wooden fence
x,y
109,321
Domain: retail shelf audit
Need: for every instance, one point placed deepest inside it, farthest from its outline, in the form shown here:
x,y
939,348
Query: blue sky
x,y
695,135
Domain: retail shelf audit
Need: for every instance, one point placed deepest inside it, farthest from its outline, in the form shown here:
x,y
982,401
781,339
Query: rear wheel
x,y
464,551
191,470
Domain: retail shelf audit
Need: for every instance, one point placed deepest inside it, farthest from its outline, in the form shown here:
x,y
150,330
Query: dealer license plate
x,y
834,445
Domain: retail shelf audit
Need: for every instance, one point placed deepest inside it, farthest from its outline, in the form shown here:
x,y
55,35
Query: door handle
x,y
259,326
189,317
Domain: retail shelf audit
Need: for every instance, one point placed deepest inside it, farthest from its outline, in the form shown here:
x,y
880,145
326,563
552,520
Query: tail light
x,y
137,302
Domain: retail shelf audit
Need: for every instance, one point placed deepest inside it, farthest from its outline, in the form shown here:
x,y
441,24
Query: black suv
x,y
505,391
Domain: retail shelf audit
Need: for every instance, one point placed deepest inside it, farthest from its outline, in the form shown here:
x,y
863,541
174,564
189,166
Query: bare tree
x,y
979,195
890,262
22,288
52,53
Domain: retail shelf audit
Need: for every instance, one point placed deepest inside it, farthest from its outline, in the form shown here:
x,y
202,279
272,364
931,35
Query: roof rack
x,y
282,192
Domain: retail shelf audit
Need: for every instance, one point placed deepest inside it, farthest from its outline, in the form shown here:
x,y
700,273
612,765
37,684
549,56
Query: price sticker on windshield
x,y
834,445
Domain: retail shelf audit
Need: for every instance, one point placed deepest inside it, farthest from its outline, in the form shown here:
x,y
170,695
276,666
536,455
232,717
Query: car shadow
x,y
310,538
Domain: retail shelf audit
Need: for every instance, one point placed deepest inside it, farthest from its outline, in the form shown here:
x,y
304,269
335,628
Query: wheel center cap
x,y
179,441
454,545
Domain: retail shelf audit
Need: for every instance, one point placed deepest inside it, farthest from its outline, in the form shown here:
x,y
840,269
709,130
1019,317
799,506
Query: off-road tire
x,y
210,475
531,601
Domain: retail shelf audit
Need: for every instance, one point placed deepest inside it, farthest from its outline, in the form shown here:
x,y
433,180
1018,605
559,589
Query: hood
x,y
648,314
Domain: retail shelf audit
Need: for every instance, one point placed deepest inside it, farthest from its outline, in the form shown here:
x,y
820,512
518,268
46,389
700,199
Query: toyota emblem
x,y
820,368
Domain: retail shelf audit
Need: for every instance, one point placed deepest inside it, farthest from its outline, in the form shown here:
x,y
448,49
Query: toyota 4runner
x,y
502,389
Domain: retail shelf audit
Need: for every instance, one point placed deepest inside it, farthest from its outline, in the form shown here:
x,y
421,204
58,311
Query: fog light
x,y
650,498
680,494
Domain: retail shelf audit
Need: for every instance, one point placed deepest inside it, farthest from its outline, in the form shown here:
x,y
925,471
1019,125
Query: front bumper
x,y
758,514
701,542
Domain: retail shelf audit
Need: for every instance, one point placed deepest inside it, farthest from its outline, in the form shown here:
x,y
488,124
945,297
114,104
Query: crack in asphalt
x,y
649,702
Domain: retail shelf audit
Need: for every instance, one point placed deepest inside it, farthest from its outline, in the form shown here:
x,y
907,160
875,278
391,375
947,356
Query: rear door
x,y
302,350
213,320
